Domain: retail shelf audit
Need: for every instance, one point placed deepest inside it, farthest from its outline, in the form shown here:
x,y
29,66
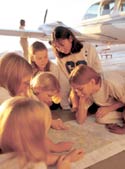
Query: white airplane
x,y
105,21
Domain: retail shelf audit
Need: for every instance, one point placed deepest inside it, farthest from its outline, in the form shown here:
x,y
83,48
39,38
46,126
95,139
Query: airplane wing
x,y
23,33
44,32
113,32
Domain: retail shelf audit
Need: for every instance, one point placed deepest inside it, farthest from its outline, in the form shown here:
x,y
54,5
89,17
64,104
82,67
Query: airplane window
x,y
107,7
92,12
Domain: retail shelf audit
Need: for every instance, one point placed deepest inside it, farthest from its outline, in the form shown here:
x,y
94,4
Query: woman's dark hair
x,y
61,32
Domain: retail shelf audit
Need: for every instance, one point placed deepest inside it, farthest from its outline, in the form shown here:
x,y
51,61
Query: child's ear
x,y
93,82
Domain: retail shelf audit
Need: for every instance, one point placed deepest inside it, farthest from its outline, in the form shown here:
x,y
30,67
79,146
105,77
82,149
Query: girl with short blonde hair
x,y
47,89
46,82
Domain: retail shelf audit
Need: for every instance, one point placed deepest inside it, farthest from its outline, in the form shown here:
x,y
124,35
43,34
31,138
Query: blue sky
x,y
68,11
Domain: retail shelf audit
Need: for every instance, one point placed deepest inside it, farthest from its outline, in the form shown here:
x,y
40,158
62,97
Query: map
x,y
97,142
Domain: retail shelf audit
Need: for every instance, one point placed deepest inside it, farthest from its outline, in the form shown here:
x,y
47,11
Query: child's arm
x,y
59,147
81,114
102,111
74,98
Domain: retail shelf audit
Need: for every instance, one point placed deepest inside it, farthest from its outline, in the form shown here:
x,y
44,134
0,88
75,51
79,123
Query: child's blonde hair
x,y
13,68
82,74
23,123
35,47
45,81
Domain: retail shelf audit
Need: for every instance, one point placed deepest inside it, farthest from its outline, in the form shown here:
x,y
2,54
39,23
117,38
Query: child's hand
x,y
64,146
63,163
102,111
75,155
58,125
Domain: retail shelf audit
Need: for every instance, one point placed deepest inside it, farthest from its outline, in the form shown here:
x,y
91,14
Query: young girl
x,y
47,89
23,131
70,52
15,76
38,58
107,91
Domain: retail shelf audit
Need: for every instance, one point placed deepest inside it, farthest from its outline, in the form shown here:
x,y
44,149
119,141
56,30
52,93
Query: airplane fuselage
x,y
109,26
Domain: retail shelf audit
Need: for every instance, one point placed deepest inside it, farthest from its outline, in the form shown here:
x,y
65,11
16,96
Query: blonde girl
x,y
15,75
47,89
23,130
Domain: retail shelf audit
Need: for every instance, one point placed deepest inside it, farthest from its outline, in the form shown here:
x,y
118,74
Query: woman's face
x,y
24,86
63,45
41,59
